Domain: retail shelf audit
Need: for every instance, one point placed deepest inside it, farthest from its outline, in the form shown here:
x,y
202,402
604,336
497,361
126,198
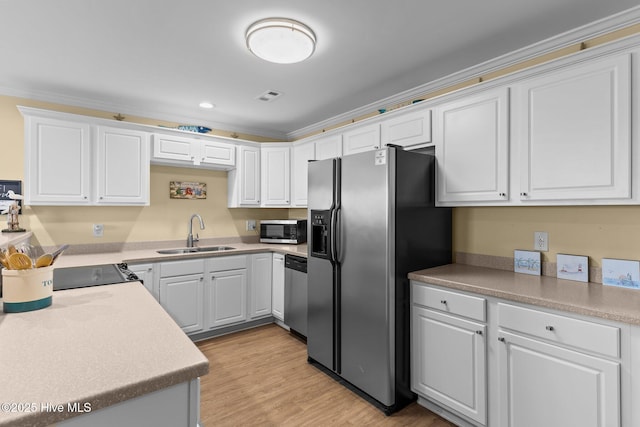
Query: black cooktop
x,y
92,275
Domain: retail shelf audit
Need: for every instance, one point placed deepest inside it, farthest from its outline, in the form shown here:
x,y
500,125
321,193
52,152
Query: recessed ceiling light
x,y
206,105
280,40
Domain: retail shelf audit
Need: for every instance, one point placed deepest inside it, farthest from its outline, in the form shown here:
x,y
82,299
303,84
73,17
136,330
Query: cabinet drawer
x,y
181,268
581,334
227,263
450,302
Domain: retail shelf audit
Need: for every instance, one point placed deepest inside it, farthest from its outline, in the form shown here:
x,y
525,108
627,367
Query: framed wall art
x,y
187,190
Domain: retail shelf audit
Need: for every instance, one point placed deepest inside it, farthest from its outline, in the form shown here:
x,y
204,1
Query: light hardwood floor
x,y
261,377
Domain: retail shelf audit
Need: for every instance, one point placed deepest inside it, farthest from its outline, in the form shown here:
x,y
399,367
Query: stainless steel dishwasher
x,y
295,294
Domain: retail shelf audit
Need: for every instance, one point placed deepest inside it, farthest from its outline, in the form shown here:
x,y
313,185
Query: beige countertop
x,y
138,256
589,299
100,345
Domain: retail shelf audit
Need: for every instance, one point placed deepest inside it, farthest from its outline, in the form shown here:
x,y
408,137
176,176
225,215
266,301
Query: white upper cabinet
x,y
185,151
122,166
70,161
301,154
57,162
406,130
244,180
361,139
329,147
472,148
573,129
275,169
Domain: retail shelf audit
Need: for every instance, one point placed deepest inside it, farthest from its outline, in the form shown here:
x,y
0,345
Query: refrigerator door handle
x,y
332,235
337,235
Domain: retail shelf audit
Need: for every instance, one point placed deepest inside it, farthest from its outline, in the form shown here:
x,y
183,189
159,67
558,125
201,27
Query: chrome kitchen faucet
x,y
190,238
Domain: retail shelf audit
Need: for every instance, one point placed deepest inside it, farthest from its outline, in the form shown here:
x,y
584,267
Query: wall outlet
x,y
98,230
251,225
541,241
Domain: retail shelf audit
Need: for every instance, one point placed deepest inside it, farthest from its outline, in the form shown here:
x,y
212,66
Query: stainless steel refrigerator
x,y
372,220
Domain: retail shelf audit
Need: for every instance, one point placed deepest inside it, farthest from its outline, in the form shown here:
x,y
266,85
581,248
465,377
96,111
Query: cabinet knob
x,y
501,339
85,197
479,332
443,301
502,194
524,194
101,197
549,328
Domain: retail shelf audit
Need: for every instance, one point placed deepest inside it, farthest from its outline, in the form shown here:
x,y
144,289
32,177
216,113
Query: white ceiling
x,y
160,58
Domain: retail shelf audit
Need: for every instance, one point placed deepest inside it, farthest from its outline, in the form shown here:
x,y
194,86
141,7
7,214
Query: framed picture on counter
x,y
621,272
526,262
573,267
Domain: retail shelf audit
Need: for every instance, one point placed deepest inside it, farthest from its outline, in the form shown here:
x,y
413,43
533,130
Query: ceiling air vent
x,y
269,95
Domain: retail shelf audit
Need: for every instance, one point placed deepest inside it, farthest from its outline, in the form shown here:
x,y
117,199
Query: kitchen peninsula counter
x,y
97,346
588,299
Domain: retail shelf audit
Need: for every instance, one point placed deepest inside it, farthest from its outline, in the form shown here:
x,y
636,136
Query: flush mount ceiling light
x,y
206,105
280,40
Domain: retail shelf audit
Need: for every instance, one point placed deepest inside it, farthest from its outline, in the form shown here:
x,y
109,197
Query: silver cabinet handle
x,y
502,194
549,328
443,301
479,332
524,194
501,339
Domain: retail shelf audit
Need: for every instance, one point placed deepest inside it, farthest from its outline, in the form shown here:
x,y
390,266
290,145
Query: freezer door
x,y
320,315
367,309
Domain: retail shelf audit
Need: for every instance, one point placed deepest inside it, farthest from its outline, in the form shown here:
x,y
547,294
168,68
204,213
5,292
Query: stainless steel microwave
x,y
291,231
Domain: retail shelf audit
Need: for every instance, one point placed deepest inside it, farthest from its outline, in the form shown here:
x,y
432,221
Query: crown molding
x,y
577,35
149,112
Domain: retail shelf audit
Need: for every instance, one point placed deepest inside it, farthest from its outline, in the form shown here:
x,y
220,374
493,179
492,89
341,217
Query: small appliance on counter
x,y
289,231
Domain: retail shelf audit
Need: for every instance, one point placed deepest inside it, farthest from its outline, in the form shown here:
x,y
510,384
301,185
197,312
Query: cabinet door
x,y
301,154
260,285
122,161
217,153
448,362
145,274
226,298
574,132
411,128
275,168
472,148
58,162
169,147
328,147
181,297
546,385
277,294
249,175
365,138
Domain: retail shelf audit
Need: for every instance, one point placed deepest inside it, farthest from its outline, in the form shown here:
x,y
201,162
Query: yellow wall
x,y
596,231
164,219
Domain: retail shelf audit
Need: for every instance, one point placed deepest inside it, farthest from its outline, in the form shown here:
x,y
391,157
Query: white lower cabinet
x,y
277,287
146,276
226,298
518,365
553,363
182,292
260,285
448,356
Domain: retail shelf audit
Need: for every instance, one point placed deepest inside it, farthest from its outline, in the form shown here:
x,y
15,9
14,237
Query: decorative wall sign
x,y
527,262
5,186
573,267
187,190
620,272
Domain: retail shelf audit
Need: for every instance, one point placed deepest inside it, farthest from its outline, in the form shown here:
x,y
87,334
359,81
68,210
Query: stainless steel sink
x,y
195,249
